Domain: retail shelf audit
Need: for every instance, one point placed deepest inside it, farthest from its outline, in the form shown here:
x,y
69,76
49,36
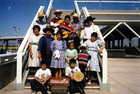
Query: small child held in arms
x,y
70,73
41,77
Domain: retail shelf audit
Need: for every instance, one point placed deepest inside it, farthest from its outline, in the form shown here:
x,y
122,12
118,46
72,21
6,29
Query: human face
x,y
71,46
75,19
67,21
40,18
89,22
59,37
93,38
58,15
72,65
48,33
43,66
36,31
83,50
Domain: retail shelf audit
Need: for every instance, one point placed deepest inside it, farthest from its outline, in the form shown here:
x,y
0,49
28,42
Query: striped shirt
x,y
83,58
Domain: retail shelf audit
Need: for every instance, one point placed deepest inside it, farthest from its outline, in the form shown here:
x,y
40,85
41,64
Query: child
x,y
83,58
58,48
70,53
44,50
41,77
70,73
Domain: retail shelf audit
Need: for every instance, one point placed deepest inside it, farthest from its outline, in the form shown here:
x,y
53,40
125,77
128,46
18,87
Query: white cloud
x,y
9,8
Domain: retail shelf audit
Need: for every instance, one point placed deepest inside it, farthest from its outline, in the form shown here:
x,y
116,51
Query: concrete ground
x,y
123,74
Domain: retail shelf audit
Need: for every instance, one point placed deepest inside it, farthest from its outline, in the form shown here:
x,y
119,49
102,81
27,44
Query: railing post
x,y
104,67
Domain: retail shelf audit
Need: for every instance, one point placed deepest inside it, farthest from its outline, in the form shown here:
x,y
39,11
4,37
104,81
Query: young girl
x,y
71,53
58,48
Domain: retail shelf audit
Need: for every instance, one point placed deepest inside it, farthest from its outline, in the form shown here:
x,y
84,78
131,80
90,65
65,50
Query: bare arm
x,y
101,49
39,54
30,49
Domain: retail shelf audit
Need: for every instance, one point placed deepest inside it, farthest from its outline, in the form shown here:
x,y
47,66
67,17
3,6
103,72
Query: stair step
x,y
93,85
30,77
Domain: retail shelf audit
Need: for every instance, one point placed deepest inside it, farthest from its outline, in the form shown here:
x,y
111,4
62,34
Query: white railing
x,y
104,53
24,45
22,48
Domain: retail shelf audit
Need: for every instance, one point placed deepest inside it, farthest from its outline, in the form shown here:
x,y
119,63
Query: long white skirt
x,y
34,61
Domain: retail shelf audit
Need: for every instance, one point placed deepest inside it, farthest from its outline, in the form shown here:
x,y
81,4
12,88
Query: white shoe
x,y
89,83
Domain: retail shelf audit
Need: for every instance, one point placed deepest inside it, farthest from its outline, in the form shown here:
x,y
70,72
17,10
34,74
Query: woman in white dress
x,y
33,45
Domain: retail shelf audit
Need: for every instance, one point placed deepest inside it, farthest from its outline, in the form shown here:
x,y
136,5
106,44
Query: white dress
x,y
34,61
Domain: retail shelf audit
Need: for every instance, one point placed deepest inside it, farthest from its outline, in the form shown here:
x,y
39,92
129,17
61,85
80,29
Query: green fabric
x,y
35,44
71,54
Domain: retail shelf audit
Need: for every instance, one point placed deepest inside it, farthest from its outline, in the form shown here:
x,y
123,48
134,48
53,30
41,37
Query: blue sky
x,y
20,13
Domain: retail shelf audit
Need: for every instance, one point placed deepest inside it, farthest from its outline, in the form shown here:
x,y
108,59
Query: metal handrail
x,y
104,52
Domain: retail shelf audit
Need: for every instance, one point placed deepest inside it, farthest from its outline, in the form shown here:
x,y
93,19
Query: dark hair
x,y
43,62
67,16
94,34
59,32
72,61
72,42
36,26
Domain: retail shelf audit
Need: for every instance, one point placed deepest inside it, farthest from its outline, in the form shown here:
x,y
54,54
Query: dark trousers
x,y
74,85
35,84
47,58
82,68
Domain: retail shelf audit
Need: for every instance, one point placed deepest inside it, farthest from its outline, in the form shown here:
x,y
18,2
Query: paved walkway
x,y
123,74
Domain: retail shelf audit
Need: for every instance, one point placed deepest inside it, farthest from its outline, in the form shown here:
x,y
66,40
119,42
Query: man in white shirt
x,y
70,73
40,22
40,78
89,29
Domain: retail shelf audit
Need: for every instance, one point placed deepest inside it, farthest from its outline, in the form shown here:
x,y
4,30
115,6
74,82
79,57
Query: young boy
x,y
44,44
83,58
40,78
70,73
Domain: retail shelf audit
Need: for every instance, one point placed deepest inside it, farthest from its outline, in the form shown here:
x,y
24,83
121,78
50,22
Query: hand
x,y
42,83
87,67
72,78
99,51
39,56
31,54
74,31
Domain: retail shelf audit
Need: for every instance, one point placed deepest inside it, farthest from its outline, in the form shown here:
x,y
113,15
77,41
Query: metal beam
x,y
131,29
112,30
128,40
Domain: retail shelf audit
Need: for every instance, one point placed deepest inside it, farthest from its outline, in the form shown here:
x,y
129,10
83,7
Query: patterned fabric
x,y
71,54
83,58
55,62
92,51
55,20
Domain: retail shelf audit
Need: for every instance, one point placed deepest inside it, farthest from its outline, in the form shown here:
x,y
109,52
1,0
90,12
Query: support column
x,y
130,43
108,44
113,43
7,44
121,43
138,43
3,44
118,43
18,43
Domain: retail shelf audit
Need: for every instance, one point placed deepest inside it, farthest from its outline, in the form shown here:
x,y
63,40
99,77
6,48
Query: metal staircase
x,y
24,75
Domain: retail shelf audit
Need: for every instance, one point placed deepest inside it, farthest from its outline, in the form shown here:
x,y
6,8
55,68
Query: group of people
x,y
64,45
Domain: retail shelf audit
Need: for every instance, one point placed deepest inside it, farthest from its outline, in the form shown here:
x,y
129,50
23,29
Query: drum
x,y
78,76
